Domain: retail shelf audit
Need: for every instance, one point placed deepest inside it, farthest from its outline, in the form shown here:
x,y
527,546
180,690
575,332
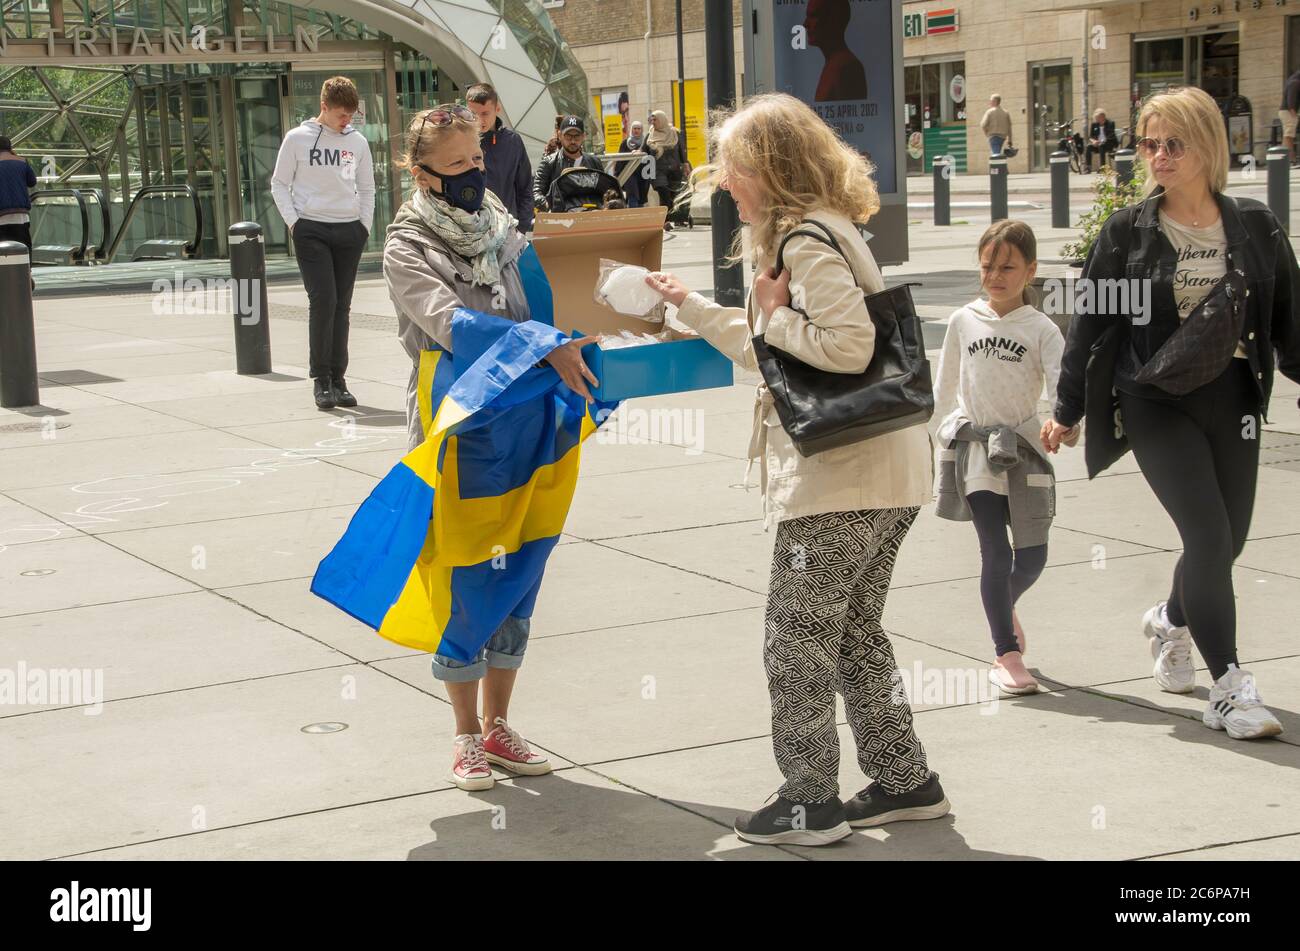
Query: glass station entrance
x,y
153,126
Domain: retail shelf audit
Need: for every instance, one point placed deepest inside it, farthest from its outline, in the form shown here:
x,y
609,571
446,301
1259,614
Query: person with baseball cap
x,y
573,136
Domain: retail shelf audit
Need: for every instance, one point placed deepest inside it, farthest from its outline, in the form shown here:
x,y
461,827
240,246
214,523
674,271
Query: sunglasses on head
x,y
441,117
1148,148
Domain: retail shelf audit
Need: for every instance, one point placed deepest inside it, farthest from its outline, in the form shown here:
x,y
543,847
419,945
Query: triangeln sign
x,y
96,41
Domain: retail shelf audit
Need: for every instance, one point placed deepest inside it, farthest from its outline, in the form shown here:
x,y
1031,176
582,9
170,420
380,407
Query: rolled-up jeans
x,y
504,650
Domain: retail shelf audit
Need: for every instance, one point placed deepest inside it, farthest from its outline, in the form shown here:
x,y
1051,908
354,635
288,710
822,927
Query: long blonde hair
x,y
1190,113
797,160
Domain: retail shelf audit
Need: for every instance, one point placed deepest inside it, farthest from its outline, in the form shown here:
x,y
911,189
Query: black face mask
x,y
463,191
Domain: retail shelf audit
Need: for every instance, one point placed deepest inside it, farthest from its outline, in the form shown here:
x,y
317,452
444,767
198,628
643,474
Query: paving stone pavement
x,y
160,518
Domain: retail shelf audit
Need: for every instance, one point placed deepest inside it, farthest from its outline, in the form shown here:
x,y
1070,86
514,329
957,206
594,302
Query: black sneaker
x,y
341,395
324,393
785,822
874,807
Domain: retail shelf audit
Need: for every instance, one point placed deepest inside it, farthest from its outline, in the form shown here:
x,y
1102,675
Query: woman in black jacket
x,y
668,147
1189,388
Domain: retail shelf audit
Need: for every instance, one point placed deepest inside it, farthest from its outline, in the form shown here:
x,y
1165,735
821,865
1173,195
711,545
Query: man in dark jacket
x,y
16,178
572,135
1101,140
509,173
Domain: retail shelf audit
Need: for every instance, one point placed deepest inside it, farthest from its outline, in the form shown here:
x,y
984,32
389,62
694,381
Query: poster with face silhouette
x,y
838,56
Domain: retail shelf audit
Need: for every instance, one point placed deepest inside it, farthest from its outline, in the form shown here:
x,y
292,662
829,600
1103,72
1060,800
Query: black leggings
x,y
1200,455
1006,573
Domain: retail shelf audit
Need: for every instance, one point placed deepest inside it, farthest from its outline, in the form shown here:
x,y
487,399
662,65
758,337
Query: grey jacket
x,y
427,282
1031,481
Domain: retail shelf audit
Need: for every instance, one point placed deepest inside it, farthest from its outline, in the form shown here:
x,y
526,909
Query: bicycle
x,y
1070,141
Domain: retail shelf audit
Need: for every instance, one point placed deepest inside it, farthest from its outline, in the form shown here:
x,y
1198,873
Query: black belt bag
x,y
1201,348
822,410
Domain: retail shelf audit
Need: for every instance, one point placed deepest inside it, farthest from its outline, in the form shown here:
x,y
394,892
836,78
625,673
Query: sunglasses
x,y
1148,148
442,117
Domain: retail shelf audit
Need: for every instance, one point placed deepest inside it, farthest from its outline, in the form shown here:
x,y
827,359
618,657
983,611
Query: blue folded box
x,y
652,369
570,247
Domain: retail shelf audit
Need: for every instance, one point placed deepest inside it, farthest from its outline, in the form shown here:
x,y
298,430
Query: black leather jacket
x,y
1132,247
549,168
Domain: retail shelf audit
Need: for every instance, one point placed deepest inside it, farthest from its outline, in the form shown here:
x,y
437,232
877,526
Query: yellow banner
x,y
613,132
696,146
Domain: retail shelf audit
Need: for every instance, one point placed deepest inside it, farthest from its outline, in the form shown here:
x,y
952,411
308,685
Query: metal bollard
x,y
252,317
1123,159
942,202
998,188
18,386
1279,185
1059,161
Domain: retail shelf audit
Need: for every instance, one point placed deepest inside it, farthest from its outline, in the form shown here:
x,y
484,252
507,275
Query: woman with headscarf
x,y
665,143
636,186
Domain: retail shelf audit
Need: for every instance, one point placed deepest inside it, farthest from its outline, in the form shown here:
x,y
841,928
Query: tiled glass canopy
x,y
510,43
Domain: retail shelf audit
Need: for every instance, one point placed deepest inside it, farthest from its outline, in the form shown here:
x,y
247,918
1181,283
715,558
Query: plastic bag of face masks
x,y
625,338
622,288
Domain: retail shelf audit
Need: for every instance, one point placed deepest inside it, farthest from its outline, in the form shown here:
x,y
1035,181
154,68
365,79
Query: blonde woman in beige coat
x,y
841,514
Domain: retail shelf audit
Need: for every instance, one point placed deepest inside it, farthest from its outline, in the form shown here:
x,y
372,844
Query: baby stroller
x,y
580,189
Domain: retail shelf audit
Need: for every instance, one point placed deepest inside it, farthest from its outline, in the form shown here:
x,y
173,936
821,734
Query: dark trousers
x,y
21,233
1005,573
635,190
1200,455
328,254
1101,151
668,189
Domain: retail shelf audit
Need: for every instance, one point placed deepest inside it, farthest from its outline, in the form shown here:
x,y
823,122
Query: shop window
x,y
935,121
1159,64
1215,63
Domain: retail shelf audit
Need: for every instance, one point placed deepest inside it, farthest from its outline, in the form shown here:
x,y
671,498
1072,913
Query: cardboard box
x,y
570,247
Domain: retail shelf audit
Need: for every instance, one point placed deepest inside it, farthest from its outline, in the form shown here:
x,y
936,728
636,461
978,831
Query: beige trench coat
x,y
831,331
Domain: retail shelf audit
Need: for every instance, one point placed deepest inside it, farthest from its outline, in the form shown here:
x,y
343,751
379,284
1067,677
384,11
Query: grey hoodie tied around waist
x,y
1031,481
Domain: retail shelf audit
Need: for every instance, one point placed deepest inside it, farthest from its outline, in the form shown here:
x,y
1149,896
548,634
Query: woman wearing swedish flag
x,y
454,245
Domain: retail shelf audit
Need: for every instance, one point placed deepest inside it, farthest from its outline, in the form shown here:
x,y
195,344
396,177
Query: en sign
x,y
929,23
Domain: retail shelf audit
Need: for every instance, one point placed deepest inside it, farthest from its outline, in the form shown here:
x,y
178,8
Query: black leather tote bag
x,y
821,410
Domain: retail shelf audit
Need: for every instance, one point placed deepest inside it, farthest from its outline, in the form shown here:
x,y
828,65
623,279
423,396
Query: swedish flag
x,y
455,538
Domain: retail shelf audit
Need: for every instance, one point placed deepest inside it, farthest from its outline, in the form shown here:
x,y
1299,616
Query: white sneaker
x,y
1235,706
1172,649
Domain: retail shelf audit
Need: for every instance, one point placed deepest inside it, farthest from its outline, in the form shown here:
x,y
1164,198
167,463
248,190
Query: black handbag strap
x,y
826,237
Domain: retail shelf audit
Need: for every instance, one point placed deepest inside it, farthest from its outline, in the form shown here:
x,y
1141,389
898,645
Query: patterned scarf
x,y
477,237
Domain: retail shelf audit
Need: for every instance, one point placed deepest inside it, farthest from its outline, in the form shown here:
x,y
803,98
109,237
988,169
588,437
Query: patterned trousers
x,y
830,575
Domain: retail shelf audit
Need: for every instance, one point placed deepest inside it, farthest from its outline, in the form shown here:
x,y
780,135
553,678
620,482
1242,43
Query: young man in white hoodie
x,y
324,187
